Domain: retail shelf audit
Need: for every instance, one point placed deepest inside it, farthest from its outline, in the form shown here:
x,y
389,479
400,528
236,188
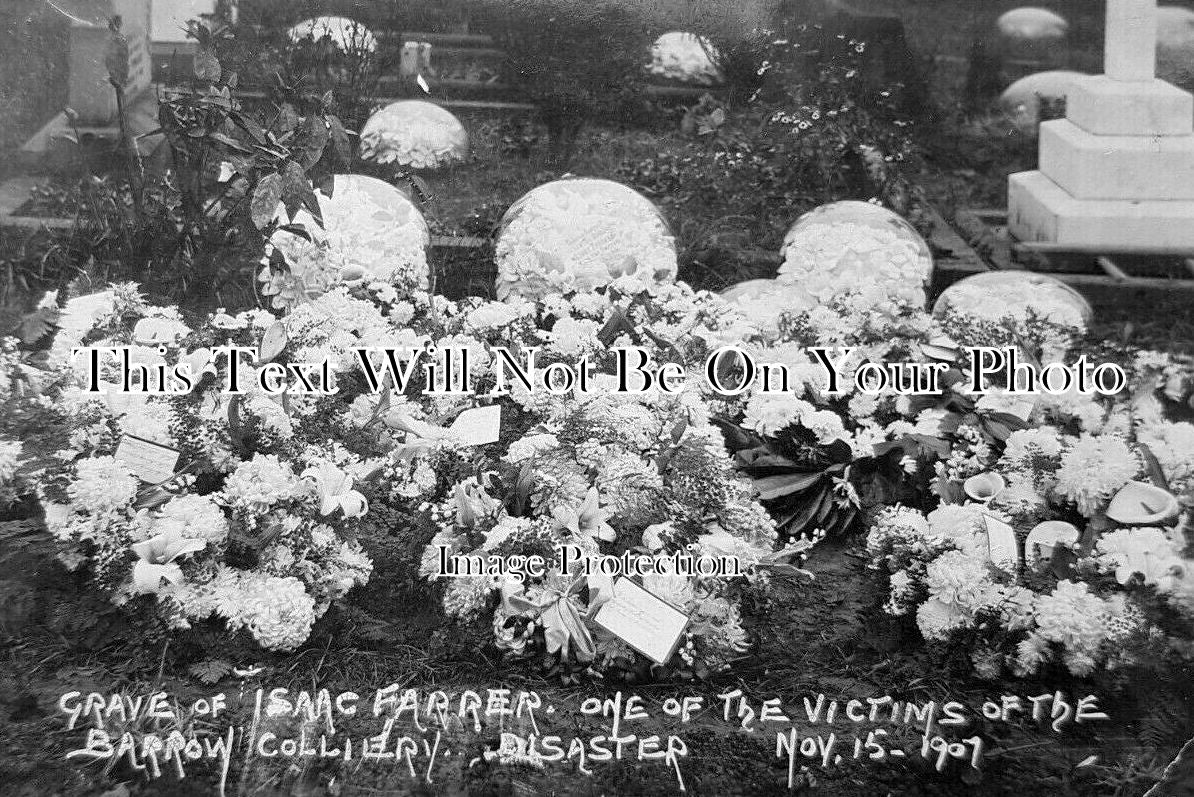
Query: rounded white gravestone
x,y
868,214
1175,45
580,234
1022,100
685,57
1031,24
371,231
854,248
997,296
415,134
347,34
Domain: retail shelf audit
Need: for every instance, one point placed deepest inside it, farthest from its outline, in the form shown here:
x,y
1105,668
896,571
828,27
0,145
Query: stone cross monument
x,y
1116,174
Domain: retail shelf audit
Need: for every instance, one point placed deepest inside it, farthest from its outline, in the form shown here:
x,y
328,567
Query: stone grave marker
x,y
1117,174
90,94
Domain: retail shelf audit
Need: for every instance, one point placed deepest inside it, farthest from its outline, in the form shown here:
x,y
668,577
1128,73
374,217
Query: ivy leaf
x,y
266,196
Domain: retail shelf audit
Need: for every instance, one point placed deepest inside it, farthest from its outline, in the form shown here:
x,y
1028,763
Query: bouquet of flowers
x,y
249,529
1057,539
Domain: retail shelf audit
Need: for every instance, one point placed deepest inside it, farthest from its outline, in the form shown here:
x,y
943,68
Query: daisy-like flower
x,y
770,414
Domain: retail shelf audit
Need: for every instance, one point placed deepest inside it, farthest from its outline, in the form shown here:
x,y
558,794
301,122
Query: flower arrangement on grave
x,y
580,234
414,134
1058,538
370,232
245,526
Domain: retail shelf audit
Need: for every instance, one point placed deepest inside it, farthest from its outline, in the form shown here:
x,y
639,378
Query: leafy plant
x,y
809,133
191,232
576,60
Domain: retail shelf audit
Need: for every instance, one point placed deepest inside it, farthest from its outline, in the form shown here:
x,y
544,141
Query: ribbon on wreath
x,y
564,628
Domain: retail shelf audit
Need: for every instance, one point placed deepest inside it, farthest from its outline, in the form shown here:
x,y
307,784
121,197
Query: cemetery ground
x,y
817,636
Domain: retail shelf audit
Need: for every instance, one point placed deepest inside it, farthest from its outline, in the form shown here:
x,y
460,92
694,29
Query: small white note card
x,y
149,461
1002,543
643,620
1021,409
478,426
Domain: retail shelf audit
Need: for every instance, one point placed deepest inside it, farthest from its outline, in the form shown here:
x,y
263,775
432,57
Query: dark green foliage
x,y
576,60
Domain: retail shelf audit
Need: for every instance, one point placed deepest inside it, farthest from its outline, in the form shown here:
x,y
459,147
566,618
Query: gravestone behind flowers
x,y
91,94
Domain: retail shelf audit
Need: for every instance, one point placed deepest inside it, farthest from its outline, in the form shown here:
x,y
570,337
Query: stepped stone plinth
x,y
1118,171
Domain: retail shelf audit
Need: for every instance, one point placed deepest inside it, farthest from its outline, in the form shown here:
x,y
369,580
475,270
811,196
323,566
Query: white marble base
x,y
1116,167
1107,107
1040,210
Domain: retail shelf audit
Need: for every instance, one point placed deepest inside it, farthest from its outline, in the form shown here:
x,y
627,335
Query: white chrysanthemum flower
x,y
937,620
897,524
261,482
826,425
1093,469
277,611
959,579
1073,617
573,337
102,485
770,414
1023,445
193,517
